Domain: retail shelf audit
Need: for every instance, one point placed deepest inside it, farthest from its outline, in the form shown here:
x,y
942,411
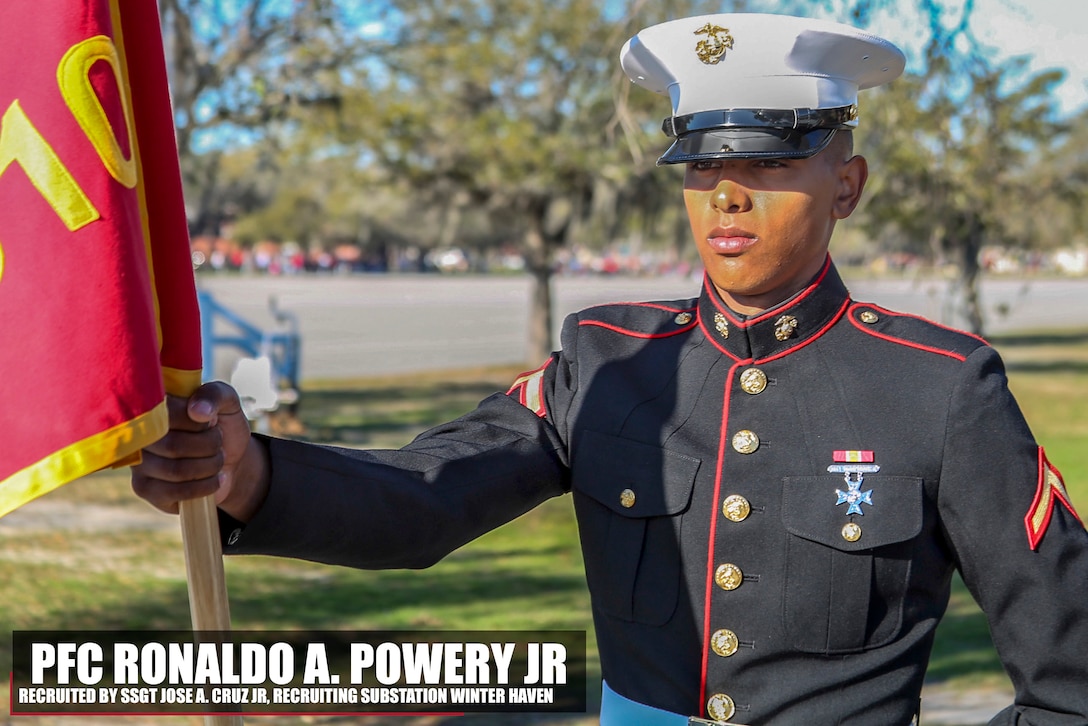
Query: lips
x,y
730,240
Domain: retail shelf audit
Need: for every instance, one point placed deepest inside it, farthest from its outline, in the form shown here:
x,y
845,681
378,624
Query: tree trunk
x,y
541,343
538,259
970,247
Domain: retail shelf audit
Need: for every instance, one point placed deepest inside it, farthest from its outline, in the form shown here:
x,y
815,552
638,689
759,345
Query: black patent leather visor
x,y
747,143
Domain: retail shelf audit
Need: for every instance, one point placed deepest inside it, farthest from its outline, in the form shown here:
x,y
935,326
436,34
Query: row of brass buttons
x,y
753,381
728,576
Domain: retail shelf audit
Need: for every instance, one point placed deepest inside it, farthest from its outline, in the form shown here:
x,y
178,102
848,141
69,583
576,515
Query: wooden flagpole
x,y
208,604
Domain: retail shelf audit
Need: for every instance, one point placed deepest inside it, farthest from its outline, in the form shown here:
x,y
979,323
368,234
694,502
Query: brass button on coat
x,y
745,441
851,532
753,381
736,508
728,576
724,642
720,707
627,498
868,316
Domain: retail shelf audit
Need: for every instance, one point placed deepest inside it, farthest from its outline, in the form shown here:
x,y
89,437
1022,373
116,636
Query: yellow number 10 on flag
x,y
98,311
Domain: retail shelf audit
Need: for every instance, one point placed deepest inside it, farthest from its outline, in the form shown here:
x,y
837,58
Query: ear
x,y
852,175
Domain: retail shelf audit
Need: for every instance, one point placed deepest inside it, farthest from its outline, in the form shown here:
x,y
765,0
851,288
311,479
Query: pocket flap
x,y
631,478
809,510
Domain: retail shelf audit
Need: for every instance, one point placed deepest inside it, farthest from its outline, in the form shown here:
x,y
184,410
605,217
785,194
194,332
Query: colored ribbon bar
x,y
852,456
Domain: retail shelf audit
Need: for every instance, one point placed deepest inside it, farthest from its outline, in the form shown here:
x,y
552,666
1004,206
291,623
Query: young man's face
x,y
762,226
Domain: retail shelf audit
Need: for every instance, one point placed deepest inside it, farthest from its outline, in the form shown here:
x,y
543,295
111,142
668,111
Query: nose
x,y
730,197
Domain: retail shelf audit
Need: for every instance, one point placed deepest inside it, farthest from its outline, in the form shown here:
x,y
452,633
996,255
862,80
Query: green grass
x,y
1048,372
525,575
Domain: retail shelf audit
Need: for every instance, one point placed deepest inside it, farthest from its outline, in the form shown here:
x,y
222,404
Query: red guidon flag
x,y
98,313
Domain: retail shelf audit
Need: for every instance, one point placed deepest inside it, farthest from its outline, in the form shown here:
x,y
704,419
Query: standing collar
x,y
779,330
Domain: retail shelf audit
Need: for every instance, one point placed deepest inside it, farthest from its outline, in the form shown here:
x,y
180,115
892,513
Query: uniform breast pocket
x,y
847,576
629,498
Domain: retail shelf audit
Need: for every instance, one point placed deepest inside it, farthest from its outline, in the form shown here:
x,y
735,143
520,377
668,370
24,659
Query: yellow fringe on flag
x,y
118,445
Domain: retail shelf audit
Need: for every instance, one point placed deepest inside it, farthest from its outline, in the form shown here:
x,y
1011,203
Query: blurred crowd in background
x,y
218,255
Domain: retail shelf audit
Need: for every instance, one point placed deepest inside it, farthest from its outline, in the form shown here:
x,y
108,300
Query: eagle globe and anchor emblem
x,y
712,48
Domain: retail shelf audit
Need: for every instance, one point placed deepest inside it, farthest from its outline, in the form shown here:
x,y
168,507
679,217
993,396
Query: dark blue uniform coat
x,y
730,570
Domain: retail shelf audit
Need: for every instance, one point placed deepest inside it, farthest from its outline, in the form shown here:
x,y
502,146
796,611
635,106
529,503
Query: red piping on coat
x,y
771,313
908,343
895,314
722,436
634,334
646,336
655,306
714,340
811,339
838,315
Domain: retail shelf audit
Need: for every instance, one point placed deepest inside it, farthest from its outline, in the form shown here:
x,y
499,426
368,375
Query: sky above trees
x,y
507,122
1052,33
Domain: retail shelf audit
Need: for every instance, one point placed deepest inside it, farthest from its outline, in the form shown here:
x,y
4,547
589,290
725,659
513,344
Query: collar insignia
x,y
721,325
784,327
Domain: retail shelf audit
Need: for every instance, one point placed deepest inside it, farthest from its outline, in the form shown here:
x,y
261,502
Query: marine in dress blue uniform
x,y
771,505
730,580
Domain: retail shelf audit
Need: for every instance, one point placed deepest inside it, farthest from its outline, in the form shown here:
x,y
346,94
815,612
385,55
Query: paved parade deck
x,y
362,325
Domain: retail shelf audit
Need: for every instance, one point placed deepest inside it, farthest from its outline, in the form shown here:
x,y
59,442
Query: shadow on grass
x,y
1047,366
340,598
1044,352
1027,340
279,602
312,596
